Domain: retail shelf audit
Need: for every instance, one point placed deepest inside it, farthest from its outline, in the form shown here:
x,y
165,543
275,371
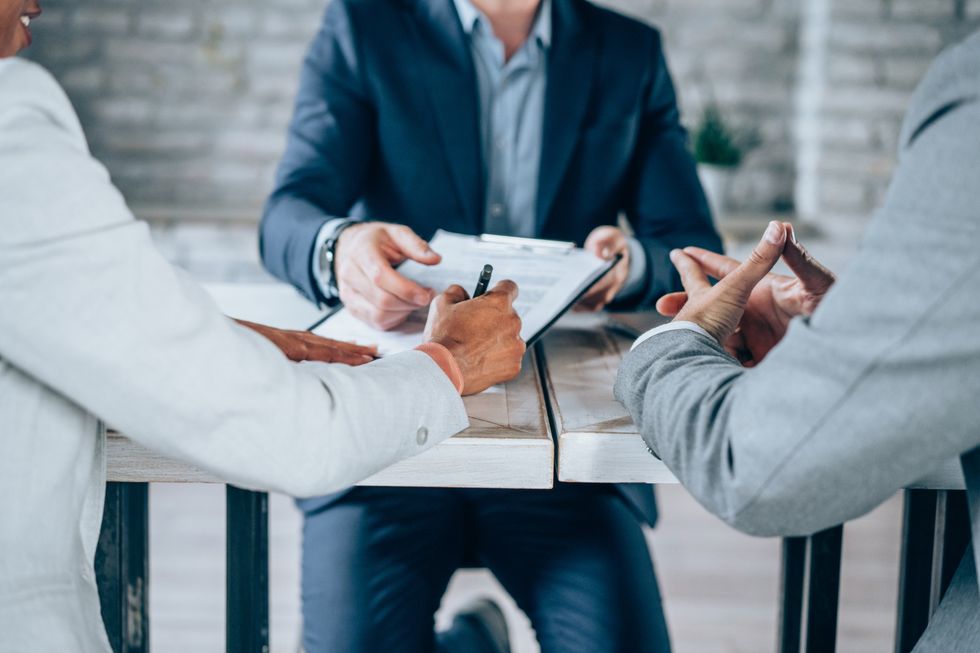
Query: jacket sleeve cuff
x,y
671,326
446,362
636,279
321,276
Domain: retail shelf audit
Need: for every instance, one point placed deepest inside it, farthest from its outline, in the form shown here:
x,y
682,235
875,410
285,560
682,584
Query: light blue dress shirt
x,y
511,118
511,103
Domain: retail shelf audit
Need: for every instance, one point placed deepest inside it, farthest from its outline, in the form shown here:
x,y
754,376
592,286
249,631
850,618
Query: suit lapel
x,y
571,61
444,62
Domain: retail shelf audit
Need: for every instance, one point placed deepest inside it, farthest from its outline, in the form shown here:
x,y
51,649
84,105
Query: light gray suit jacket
x,y
96,327
880,386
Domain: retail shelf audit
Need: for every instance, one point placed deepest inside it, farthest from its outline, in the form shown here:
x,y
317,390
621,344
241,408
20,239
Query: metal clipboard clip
x,y
527,244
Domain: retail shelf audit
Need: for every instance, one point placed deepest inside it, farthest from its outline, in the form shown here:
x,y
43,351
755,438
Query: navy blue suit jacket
x,y
386,127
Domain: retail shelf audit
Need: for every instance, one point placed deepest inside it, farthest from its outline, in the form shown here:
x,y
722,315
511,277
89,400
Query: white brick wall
x,y
740,54
878,51
188,102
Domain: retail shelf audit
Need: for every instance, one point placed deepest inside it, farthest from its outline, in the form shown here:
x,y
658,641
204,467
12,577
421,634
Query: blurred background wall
x,y
187,101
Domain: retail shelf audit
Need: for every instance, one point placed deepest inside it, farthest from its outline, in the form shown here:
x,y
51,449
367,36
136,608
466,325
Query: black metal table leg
x,y
792,581
823,590
121,563
915,572
247,581
952,536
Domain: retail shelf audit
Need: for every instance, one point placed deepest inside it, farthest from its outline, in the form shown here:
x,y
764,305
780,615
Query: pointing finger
x,y
746,276
692,276
413,246
816,278
507,288
380,273
455,294
714,264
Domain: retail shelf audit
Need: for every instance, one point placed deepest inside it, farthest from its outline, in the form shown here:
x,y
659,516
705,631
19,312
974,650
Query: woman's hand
x,y
304,346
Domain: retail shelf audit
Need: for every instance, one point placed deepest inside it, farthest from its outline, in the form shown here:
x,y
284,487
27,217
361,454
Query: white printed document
x,y
550,276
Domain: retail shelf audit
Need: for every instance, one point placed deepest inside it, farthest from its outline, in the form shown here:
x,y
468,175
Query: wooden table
x,y
508,444
599,443
597,440
562,399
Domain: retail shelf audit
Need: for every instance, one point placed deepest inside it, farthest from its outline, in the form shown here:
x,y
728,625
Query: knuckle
x,y
757,257
387,303
375,275
376,316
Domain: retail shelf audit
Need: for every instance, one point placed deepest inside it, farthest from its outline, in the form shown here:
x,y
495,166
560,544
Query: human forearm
x,y
678,410
826,428
152,357
328,151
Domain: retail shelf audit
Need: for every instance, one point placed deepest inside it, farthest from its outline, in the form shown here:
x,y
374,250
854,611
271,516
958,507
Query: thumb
x,y
745,277
454,294
605,242
671,304
413,246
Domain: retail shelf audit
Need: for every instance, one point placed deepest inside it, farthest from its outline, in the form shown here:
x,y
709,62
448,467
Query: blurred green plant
x,y
717,143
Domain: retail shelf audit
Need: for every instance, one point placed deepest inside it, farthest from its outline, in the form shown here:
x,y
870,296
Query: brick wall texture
x,y
187,102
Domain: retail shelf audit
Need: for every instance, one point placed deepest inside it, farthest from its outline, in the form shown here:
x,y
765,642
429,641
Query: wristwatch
x,y
328,254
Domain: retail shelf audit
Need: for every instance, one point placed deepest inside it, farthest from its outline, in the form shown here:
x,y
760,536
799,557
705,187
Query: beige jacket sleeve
x,y
91,309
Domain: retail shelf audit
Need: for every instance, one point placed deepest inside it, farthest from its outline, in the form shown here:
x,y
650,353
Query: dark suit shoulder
x,y
361,25
610,23
362,11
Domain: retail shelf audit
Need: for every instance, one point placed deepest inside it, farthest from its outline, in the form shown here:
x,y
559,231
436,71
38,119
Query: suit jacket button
x,y
422,435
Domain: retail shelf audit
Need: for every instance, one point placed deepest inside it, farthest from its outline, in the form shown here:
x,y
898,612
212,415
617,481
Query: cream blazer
x,y
97,328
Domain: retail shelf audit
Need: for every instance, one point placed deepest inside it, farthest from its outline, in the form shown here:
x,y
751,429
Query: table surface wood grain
x,y
597,440
508,444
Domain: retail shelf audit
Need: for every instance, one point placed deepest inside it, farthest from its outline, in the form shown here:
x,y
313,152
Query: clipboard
x,y
552,277
585,289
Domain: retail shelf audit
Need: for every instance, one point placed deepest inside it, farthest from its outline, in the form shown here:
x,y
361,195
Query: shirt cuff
x,y
670,326
322,277
637,276
445,360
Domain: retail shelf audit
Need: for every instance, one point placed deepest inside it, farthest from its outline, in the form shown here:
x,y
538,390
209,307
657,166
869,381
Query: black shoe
x,y
485,617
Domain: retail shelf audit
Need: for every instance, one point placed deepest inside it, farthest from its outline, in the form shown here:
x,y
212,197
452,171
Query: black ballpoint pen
x,y
484,282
